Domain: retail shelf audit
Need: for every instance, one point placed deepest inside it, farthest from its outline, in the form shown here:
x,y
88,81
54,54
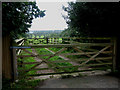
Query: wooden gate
x,y
76,56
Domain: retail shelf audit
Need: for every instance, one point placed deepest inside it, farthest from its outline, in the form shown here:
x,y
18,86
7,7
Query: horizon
x,y
45,30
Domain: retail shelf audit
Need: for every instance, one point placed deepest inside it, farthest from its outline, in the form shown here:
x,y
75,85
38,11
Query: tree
x,y
93,18
17,17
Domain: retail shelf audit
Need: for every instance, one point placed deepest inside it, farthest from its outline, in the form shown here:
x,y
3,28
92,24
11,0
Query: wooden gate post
x,y
114,41
15,64
6,57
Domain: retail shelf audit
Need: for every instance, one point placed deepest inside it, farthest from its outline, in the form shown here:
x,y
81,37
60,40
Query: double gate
x,y
74,56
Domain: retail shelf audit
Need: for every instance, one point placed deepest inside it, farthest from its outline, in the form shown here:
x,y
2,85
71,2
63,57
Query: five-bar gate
x,y
75,56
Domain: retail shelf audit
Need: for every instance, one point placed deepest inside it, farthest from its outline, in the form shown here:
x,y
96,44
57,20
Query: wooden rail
x,y
20,42
66,45
97,38
63,40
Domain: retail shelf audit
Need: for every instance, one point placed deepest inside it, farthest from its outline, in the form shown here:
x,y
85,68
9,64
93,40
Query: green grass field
x,y
42,40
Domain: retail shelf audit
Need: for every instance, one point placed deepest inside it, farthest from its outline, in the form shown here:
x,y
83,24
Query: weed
x,y
66,76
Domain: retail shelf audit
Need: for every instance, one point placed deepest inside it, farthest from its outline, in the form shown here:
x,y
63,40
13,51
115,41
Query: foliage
x,y
92,18
17,17
71,32
65,33
6,83
21,84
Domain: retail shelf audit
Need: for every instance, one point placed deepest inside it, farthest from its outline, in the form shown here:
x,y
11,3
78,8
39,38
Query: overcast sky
x,y
53,19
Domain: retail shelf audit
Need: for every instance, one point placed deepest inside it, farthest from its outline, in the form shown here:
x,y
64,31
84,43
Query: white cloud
x,y
54,0
53,19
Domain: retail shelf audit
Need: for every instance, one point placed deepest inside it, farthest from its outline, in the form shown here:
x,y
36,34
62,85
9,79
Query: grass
x,y
35,42
69,50
57,39
25,82
26,59
43,51
7,84
54,49
22,84
42,41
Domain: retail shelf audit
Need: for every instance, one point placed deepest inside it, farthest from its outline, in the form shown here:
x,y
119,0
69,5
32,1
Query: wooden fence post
x,y
63,40
47,41
114,41
15,64
51,40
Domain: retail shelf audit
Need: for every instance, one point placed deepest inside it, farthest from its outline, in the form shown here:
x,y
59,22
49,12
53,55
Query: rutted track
x,y
43,65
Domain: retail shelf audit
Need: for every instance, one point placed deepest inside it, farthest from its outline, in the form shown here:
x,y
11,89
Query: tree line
x,y
92,19
44,34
